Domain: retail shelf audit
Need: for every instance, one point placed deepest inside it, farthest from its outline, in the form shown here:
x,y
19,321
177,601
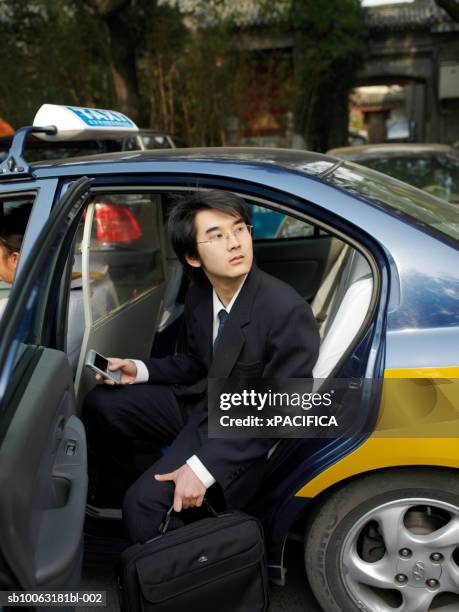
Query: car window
x,y
14,215
436,174
36,302
155,141
270,224
124,257
131,144
429,213
119,240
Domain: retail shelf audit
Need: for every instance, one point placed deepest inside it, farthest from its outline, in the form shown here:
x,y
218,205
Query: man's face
x,y
230,254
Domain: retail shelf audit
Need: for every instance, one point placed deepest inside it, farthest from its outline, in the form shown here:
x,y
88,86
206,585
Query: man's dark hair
x,y
182,228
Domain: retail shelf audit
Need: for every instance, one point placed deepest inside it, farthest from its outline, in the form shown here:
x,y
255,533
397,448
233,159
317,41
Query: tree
x,y
52,51
158,69
189,75
126,22
330,44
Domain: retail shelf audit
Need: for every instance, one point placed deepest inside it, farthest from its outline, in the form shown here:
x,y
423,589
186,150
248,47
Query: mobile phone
x,y
99,364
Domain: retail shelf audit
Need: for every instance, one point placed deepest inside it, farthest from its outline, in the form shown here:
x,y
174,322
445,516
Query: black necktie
x,y
222,316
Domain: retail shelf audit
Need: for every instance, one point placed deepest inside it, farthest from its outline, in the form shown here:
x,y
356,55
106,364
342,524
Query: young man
x,y
239,321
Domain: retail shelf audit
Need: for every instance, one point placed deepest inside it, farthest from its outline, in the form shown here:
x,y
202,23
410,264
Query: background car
x,y
433,168
149,139
37,149
377,260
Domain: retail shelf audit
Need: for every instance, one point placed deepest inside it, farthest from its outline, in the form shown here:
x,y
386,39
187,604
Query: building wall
x,y
413,55
408,44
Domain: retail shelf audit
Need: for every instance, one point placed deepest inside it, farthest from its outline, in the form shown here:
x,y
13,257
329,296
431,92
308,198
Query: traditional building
x,y
413,45
416,45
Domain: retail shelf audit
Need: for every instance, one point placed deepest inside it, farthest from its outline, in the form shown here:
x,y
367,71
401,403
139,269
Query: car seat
x,y
340,307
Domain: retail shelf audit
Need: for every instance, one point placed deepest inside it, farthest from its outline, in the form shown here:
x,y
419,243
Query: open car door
x,y
43,474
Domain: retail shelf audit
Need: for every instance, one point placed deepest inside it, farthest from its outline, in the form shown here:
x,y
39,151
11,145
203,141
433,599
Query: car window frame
x,y
296,206
32,275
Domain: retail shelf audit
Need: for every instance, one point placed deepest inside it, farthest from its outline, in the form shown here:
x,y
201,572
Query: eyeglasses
x,y
239,232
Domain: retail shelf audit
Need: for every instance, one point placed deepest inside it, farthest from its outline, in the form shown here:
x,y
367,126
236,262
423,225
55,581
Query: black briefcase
x,y
216,564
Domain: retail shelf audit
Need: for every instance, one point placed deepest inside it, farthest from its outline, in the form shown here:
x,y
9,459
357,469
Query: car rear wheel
x,y
387,542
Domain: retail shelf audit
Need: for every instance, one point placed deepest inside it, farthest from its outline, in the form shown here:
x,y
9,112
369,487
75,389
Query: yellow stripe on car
x,y
418,424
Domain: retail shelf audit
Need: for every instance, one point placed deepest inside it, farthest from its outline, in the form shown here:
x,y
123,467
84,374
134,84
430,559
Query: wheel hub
x,y
418,570
417,562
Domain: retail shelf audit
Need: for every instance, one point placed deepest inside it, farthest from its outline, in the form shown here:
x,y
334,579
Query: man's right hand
x,y
127,367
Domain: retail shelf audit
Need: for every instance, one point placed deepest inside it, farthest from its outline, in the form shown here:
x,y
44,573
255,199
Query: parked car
x,y
149,139
379,262
433,168
37,149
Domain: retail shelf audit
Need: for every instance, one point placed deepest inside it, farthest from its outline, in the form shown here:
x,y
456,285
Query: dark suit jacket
x,y
270,333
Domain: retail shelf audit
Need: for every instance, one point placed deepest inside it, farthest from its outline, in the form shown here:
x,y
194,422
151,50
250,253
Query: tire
x,y
369,546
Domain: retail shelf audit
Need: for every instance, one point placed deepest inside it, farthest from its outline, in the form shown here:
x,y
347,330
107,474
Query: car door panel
x,y
46,501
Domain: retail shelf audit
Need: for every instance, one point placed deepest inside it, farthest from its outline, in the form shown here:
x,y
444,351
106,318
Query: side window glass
x,y
269,224
155,141
295,228
125,257
36,304
14,216
130,144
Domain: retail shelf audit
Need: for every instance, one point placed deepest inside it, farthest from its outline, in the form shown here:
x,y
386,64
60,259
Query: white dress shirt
x,y
142,376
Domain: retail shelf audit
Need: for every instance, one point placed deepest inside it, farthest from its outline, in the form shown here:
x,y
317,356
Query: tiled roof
x,y
411,15
247,13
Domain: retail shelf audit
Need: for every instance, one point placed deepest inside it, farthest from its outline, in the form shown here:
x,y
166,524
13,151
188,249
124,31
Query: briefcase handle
x,y
167,518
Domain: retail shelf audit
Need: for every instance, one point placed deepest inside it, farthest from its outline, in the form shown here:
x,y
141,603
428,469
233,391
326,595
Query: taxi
x,y
378,261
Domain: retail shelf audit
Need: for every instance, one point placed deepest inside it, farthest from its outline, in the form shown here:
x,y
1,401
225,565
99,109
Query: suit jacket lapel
x,y
232,339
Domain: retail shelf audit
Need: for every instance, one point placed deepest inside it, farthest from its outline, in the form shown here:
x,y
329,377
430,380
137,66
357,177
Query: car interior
x,y
124,296
127,288
135,292
123,268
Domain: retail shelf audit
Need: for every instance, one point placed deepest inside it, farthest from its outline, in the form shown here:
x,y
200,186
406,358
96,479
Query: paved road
x,y
294,597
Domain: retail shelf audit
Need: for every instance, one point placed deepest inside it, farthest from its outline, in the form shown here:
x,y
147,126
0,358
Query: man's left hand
x,y
189,490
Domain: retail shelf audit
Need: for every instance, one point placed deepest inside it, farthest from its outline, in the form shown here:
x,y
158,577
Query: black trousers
x,y
118,417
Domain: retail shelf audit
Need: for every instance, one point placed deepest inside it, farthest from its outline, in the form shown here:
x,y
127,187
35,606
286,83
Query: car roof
x,y
391,149
305,162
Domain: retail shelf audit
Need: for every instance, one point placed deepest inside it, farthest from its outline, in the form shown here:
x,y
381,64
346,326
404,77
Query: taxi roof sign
x,y
80,123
